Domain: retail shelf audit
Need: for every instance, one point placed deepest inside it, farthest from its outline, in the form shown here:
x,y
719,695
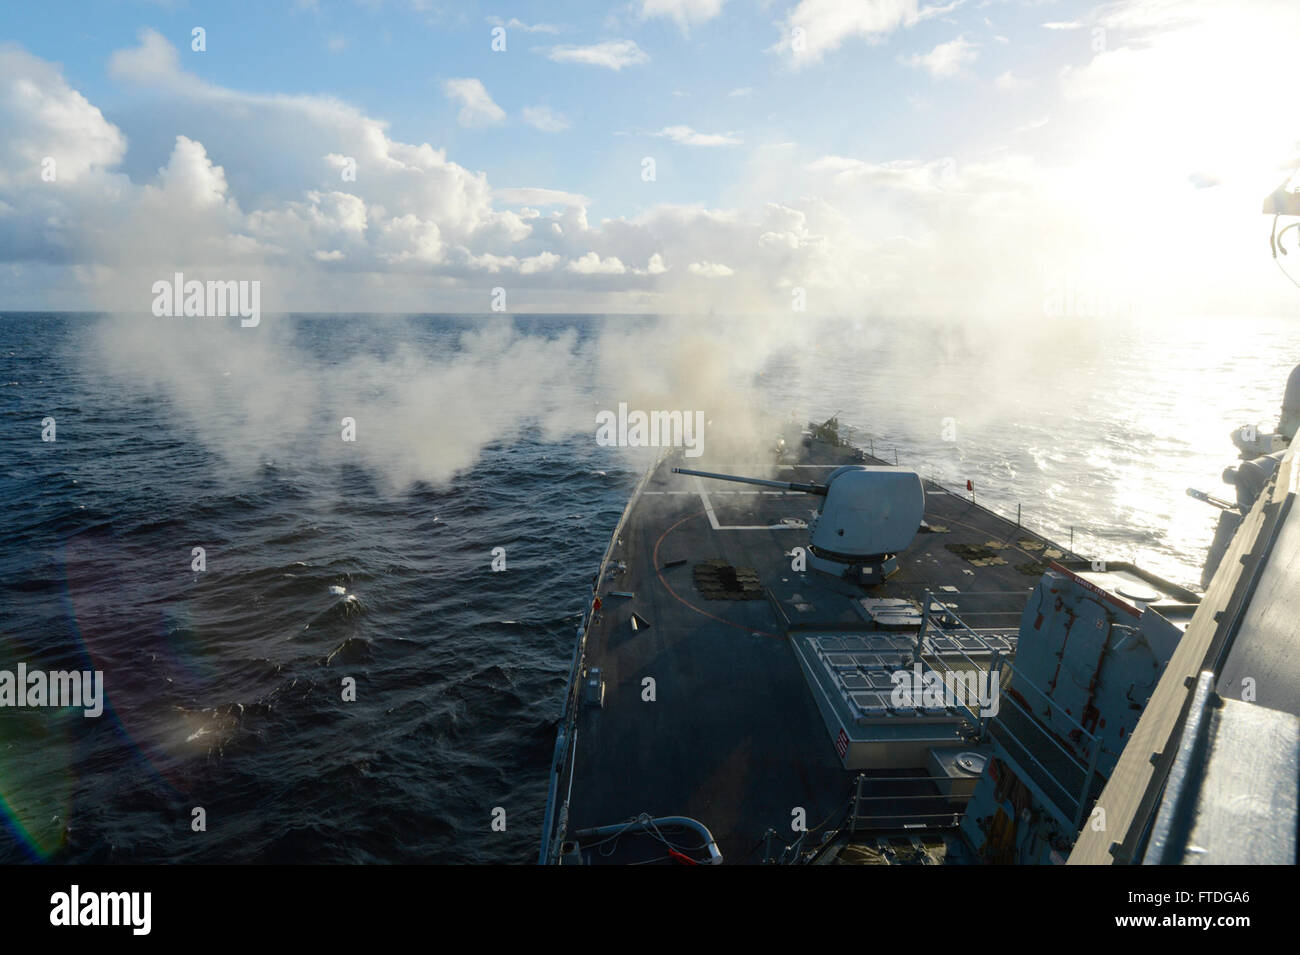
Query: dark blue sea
x,y
224,686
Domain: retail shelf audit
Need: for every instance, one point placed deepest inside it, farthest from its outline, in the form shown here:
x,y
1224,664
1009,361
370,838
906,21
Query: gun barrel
x,y
1210,499
762,482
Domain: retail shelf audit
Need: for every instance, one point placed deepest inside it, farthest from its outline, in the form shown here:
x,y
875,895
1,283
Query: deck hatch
x,y
855,681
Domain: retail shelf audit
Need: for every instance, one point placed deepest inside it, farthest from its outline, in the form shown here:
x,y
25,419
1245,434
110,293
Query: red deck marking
x,y
682,600
1097,591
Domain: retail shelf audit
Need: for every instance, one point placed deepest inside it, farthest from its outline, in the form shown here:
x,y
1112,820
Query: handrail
x,y
566,732
1065,790
858,433
1018,680
1023,681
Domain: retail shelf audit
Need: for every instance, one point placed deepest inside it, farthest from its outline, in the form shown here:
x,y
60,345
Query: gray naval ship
x,y
844,663
820,657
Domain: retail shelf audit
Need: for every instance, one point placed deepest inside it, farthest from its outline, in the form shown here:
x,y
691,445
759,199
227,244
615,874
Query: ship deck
x,y
733,736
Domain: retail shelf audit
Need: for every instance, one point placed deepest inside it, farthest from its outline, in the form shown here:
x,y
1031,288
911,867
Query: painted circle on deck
x,y
1137,592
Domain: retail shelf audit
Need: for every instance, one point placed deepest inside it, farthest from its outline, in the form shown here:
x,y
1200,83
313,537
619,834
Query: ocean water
x,y
226,685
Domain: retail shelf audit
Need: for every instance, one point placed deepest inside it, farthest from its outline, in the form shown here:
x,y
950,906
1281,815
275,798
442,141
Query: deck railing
x,y
918,803
556,821
867,442
1067,802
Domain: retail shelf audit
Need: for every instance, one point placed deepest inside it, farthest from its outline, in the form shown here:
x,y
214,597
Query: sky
x,y
968,160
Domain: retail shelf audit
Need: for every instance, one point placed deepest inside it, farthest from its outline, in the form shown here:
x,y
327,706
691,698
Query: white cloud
x,y
190,178
710,270
903,175
42,116
406,207
946,59
593,264
742,91
543,262
1063,25
612,54
411,213
817,27
685,136
1009,81
540,197
686,13
514,23
545,119
476,106
253,187
153,61
409,239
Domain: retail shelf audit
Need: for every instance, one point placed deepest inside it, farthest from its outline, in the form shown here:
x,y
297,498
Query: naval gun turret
x,y
871,514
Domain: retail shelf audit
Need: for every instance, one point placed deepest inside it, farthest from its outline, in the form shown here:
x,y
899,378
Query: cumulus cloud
x,y
372,204
593,264
476,106
190,179
44,117
363,214
710,270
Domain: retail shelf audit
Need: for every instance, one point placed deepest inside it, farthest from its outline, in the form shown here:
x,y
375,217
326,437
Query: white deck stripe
x,y
713,517
708,505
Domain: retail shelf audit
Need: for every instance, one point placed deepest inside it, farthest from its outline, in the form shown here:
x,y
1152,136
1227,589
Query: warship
x,y
821,657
